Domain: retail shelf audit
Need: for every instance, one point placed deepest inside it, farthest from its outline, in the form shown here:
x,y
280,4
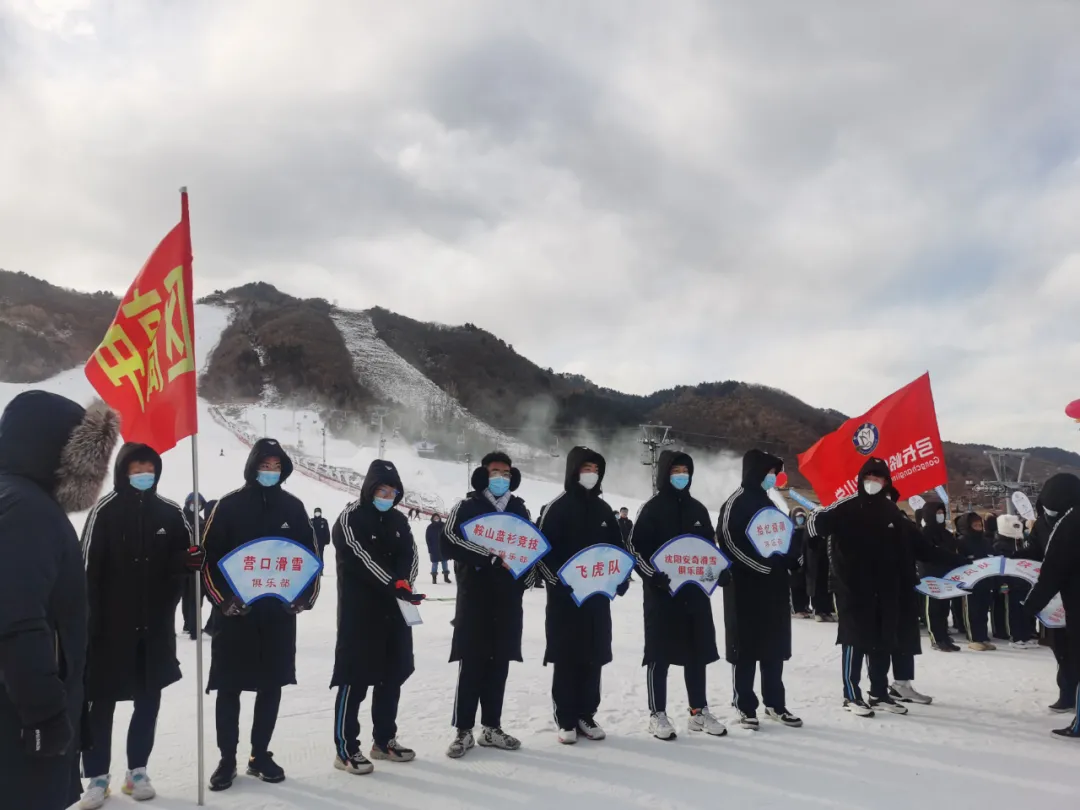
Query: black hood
x,y
927,513
878,467
381,472
963,524
990,525
59,445
577,457
798,510
667,460
264,449
134,452
756,465
1060,493
892,493
480,476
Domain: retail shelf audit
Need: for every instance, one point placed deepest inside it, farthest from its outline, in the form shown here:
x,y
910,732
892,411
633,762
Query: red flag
x,y
902,429
145,366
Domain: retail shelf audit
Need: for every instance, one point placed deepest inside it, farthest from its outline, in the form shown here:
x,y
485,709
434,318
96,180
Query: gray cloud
x,y
828,199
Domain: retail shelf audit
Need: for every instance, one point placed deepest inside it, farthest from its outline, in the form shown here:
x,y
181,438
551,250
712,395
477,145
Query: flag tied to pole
x,y
144,367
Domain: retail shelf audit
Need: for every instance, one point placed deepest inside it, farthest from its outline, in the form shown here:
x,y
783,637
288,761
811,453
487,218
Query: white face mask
x,y
588,480
872,487
940,518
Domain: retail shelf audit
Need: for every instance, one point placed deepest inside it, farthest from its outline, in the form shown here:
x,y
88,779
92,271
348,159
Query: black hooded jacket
x,y
679,629
54,458
321,527
971,544
940,538
256,650
868,560
575,520
757,602
135,547
374,551
488,615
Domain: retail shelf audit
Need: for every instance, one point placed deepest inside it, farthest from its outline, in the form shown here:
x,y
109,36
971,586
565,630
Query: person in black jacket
x,y
54,458
578,638
757,612
867,561
321,527
974,545
931,521
800,594
377,566
816,566
433,537
679,627
1060,502
138,552
1009,542
626,525
194,505
254,646
488,616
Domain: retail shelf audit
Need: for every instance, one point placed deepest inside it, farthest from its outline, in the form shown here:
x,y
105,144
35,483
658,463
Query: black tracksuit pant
x,y
1067,682
937,621
481,684
903,666
187,606
1010,619
820,596
140,738
772,686
384,708
575,693
656,676
267,702
877,663
800,597
976,608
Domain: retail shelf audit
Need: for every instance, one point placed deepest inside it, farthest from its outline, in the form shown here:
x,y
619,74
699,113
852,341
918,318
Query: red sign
x,y
145,366
902,430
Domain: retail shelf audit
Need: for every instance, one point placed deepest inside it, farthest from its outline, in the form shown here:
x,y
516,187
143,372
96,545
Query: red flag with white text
x,y
902,429
145,366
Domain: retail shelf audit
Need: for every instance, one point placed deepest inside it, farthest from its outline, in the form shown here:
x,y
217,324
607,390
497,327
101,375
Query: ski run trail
x,y
984,743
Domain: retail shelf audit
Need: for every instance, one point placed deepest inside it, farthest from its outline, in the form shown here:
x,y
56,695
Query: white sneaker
x,y
785,717
1025,645
749,721
905,693
137,785
463,741
357,764
858,708
661,728
704,720
97,791
497,738
568,736
589,729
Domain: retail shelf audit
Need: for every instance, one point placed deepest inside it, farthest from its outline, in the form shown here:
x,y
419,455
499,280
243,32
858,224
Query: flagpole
x,y
196,541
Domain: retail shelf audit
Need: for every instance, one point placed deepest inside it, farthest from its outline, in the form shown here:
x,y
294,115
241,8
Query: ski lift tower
x,y
378,415
1003,461
654,437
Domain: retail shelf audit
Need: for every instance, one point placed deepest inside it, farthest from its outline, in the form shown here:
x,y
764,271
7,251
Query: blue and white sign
x,y
1053,615
770,532
517,541
689,558
1023,505
916,502
974,572
940,490
937,588
802,501
270,566
597,569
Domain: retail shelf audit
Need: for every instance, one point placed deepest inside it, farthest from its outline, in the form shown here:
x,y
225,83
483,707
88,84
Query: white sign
x,y
689,558
1053,615
770,532
963,579
1023,505
270,566
410,613
1027,570
518,542
940,490
937,588
916,502
597,569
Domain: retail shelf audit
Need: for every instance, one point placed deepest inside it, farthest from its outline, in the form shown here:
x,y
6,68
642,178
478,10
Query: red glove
x,y
195,558
405,593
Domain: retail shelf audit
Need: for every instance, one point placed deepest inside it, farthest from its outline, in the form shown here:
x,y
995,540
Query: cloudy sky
x,y
826,197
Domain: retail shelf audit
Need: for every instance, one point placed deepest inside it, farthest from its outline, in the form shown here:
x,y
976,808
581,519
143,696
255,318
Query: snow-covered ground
x,y
984,742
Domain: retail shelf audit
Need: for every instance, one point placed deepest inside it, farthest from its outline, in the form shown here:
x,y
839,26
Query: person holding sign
x,y
254,644
867,559
578,637
1009,542
1060,501
377,566
488,615
931,521
679,626
757,610
138,553
974,545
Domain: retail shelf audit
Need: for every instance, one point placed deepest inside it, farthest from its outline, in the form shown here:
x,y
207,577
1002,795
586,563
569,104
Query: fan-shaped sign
x,y
689,558
517,541
597,569
270,566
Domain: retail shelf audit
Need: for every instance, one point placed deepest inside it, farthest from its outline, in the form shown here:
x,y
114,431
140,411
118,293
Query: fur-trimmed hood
x,y
480,475
60,446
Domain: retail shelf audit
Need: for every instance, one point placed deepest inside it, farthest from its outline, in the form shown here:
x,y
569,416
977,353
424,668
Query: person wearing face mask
x,y
679,628
433,537
800,594
578,637
488,615
138,551
377,565
1060,503
254,646
867,561
931,520
974,545
321,527
757,613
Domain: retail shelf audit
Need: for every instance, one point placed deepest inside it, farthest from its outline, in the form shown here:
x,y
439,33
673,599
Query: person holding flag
x,y
488,616
377,566
254,646
138,554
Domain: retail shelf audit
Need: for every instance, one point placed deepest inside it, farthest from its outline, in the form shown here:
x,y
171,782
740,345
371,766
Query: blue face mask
x,y
680,481
384,504
769,482
142,481
498,486
268,478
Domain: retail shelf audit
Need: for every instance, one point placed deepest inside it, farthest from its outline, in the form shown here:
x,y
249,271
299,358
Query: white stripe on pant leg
x,y
343,706
734,688
849,687
649,688
457,692
1076,723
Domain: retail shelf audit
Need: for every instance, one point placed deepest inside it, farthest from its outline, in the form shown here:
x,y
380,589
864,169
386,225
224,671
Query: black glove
x,y
724,579
623,587
661,581
234,607
497,561
49,738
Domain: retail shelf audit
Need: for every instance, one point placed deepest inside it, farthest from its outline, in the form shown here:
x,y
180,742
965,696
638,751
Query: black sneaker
x,y
262,766
224,775
888,704
357,764
947,647
590,729
1062,707
1070,733
392,752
